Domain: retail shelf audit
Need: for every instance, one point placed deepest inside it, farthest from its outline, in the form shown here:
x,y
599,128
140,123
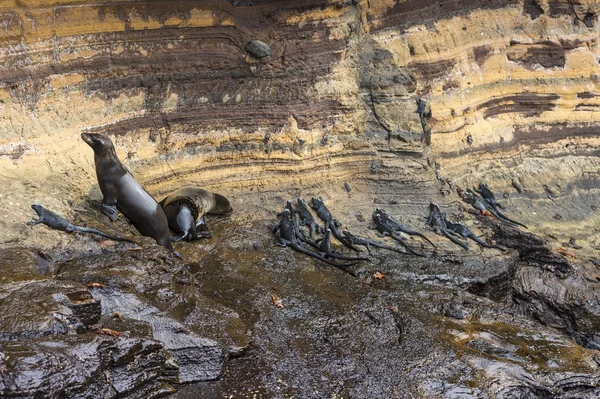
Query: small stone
x,y
373,167
258,49
455,314
517,185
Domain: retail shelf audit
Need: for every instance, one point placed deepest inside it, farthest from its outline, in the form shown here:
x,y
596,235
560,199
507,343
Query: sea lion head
x,y
99,142
222,205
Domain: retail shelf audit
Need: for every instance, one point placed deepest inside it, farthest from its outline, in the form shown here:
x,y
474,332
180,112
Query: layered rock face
x,y
511,98
184,102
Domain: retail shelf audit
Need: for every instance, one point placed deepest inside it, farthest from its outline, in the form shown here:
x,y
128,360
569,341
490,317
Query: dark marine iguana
x,y
436,220
294,221
325,247
480,204
422,111
287,238
461,230
368,243
319,206
488,196
400,227
306,217
57,222
386,230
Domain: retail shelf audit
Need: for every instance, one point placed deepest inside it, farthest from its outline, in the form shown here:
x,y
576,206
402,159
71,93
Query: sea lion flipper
x,y
200,221
110,211
202,229
177,239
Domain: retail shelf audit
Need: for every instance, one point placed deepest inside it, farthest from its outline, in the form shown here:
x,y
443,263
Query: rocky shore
x,y
325,103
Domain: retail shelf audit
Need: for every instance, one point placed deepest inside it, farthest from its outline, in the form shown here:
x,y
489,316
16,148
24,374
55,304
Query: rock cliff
x,y
512,93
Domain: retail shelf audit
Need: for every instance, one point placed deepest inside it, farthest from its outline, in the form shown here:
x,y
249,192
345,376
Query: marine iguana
x,y
386,230
287,238
488,196
480,204
400,227
294,221
436,220
367,243
306,217
461,230
421,110
319,206
57,222
325,247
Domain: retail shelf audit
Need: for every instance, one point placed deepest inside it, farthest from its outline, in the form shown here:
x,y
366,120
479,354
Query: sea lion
x,y
121,191
185,210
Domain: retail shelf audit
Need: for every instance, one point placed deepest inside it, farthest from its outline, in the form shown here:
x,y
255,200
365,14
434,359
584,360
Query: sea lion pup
x,y
121,191
185,210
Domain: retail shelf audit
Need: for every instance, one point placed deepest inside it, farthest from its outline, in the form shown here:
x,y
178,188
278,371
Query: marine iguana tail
x,y
367,243
57,222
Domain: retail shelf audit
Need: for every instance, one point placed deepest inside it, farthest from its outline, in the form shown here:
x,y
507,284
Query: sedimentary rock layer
x,y
174,87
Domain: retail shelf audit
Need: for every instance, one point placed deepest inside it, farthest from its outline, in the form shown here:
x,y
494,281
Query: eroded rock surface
x,y
511,97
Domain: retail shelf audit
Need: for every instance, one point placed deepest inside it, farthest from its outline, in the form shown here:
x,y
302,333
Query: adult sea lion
x,y
185,210
121,191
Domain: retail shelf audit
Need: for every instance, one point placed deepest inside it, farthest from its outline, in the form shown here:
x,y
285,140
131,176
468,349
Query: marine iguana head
x,y
316,202
38,209
377,217
468,196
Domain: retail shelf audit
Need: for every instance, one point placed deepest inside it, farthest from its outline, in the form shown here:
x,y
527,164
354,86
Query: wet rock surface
x,y
83,366
456,323
511,95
